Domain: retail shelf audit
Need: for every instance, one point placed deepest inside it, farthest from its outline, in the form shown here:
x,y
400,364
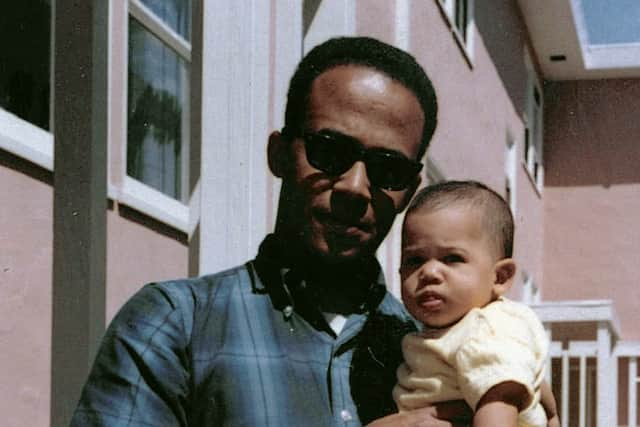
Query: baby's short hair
x,y
496,214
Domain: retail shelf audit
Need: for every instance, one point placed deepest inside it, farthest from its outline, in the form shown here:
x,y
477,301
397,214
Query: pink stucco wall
x,y
140,251
477,115
592,195
26,244
376,18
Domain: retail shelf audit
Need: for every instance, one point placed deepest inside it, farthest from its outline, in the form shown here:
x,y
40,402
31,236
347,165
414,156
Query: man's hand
x,y
446,414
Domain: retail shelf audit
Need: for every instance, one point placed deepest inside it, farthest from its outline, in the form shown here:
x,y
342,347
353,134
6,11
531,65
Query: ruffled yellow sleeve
x,y
509,344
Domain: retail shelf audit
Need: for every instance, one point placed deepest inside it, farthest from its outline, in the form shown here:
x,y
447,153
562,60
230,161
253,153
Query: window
x,y
510,174
533,131
158,94
25,60
530,291
459,14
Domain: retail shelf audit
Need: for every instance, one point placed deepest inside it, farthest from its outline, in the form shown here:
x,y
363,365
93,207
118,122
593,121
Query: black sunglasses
x,y
334,154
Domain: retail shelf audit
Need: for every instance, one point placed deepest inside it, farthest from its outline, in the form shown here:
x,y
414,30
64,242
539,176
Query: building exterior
x,y
157,114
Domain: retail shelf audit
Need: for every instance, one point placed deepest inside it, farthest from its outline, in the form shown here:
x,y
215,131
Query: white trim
x,y
350,21
606,377
432,172
161,30
194,209
447,9
533,117
627,349
235,76
632,393
579,311
154,203
511,175
26,140
403,24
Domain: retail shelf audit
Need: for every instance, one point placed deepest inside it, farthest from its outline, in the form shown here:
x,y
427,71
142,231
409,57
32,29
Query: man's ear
x,y
505,273
278,154
409,192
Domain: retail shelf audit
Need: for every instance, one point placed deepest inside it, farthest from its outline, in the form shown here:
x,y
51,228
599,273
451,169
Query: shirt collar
x,y
286,287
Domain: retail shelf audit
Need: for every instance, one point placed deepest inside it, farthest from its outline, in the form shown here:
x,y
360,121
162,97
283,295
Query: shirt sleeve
x,y
140,376
495,355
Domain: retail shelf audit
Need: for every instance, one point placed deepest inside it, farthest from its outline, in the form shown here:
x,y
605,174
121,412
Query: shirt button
x,y
346,415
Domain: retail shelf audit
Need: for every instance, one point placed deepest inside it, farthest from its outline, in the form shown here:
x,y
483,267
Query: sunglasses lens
x,y
391,172
328,154
335,156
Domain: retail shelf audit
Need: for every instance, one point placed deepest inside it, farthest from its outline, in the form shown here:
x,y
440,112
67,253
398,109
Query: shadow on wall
x,y
592,133
503,34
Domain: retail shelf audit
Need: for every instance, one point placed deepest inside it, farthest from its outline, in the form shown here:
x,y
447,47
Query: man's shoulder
x,y
202,287
391,306
185,294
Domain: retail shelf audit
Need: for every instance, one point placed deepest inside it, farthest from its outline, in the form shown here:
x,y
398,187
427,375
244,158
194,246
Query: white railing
x,y
584,371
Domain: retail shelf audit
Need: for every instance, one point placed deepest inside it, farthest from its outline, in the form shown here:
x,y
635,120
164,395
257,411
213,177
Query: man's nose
x,y
355,182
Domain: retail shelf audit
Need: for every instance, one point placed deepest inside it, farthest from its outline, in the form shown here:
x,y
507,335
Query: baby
x,y
476,345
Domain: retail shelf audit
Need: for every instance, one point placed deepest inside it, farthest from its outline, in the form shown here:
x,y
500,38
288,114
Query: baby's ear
x,y
505,272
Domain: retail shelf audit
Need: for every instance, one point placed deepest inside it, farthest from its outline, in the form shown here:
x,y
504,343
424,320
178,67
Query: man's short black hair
x,y
497,218
368,52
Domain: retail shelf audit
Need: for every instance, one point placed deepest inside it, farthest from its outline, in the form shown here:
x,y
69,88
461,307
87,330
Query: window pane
x,y
25,46
461,18
158,109
175,13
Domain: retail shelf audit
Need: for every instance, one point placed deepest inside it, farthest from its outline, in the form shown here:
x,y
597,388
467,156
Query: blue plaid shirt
x,y
226,350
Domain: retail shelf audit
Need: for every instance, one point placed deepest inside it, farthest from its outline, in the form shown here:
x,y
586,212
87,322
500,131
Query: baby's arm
x,y
500,405
549,404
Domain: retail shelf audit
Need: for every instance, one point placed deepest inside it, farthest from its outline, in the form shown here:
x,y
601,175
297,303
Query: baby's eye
x,y
452,259
411,261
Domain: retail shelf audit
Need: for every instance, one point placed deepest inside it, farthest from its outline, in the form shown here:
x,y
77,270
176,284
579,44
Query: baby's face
x,y
448,265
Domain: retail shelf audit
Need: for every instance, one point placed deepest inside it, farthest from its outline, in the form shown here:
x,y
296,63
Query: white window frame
x,y
135,193
465,39
530,291
24,139
510,169
533,127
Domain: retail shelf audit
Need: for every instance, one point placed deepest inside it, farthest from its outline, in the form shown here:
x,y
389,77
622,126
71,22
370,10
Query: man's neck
x,y
338,286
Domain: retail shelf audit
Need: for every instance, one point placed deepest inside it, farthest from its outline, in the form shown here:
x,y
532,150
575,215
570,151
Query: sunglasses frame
x,y
373,158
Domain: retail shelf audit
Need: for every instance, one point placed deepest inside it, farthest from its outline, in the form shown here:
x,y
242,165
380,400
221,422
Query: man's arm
x,y
140,375
445,414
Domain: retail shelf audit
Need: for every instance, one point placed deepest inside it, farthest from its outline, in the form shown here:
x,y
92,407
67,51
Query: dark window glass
x,y
158,109
25,59
175,13
461,18
527,143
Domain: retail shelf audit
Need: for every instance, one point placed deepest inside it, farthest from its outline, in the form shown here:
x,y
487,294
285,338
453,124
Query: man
x,y
305,334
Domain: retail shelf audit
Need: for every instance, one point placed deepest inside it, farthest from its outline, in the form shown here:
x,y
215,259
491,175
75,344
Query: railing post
x,y
607,379
565,389
632,413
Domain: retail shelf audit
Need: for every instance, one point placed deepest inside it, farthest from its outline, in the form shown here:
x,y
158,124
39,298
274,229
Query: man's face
x,y
345,216
448,264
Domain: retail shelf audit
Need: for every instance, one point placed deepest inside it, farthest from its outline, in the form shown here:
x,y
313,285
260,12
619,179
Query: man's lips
x,y
343,226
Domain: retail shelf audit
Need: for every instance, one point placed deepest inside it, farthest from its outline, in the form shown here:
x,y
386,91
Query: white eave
x,y
559,35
